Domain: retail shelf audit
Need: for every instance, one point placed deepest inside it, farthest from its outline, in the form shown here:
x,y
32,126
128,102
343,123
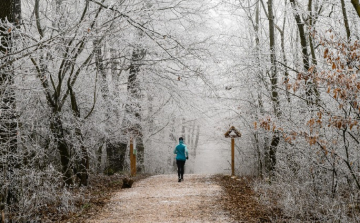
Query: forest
x,y
80,79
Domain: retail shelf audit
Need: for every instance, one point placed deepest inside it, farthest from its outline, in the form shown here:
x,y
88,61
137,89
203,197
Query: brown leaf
x,y
326,52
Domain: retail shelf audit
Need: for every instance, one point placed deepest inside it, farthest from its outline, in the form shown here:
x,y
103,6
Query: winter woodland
x,y
78,79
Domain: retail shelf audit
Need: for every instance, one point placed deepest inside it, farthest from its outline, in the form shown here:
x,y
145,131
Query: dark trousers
x,y
180,165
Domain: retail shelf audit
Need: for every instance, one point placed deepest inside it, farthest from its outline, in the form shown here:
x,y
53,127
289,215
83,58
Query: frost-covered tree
x,y
10,17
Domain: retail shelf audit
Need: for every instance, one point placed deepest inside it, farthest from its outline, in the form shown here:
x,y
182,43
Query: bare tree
x,y
311,91
10,17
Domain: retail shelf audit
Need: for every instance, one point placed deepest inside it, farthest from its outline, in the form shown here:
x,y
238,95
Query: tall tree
x,y
274,93
57,93
115,156
346,21
311,90
131,123
10,17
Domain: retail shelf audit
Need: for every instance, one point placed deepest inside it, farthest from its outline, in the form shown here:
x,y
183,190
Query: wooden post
x,y
232,133
232,157
2,216
132,159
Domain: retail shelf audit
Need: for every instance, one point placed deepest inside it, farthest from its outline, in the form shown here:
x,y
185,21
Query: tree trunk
x,y
310,86
260,107
274,93
116,156
312,21
173,138
273,73
346,22
196,139
10,11
286,73
130,125
140,150
356,5
133,109
105,92
84,162
58,132
258,154
83,167
115,150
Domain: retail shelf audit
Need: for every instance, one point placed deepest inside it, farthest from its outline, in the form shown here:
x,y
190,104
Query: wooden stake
x,y
232,157
2,216
132,159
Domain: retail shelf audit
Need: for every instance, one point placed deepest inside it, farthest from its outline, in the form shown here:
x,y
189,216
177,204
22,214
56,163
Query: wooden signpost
x,y
232,133
132,158
132,133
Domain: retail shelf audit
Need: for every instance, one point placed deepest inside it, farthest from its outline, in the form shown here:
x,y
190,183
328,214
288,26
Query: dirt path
x,y
163,199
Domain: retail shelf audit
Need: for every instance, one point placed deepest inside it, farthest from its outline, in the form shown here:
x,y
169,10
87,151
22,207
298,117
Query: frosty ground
x,y
199,198
162,199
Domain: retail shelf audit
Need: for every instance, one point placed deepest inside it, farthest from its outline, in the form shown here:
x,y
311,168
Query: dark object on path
x,y
127,183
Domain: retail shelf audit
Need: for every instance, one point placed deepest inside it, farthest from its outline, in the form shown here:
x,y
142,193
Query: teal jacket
x,y
181,151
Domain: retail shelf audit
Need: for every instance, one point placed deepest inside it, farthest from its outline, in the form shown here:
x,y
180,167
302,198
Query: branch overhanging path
x,y
162,199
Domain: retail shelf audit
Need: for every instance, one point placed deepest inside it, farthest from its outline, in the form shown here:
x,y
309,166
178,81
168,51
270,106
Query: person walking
x,y
182,154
